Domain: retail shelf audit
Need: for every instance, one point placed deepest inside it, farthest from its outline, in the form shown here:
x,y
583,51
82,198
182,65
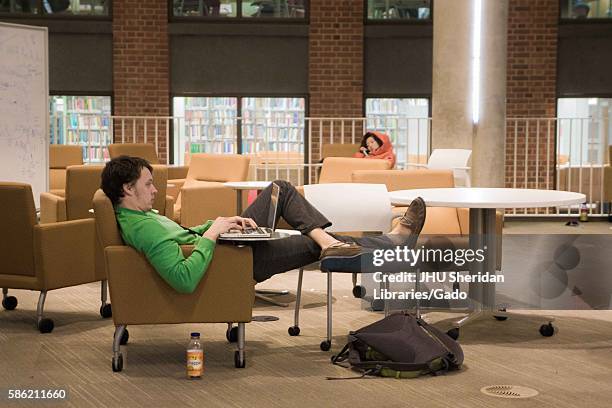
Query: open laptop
x,y
259,232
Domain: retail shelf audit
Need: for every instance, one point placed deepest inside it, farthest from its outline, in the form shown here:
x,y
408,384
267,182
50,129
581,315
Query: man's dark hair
x,y
119,171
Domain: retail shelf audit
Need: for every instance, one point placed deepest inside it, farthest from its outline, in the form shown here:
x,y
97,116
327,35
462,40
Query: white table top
x,y
488,197
247,185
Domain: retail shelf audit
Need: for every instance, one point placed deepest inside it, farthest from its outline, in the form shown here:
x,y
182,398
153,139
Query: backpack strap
x,y
372,371
341,356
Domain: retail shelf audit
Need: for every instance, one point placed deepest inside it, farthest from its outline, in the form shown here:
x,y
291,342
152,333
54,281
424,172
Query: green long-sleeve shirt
x,y
159,239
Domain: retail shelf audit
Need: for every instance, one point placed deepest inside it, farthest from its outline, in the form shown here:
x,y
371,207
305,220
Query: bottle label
x,y
195,363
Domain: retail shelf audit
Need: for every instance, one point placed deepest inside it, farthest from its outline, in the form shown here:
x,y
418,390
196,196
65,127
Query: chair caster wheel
x,y
125,337
325,345
453,333
232,334
294,331
547,330
9,303
106,311
45,325
237,362
359,291
118,363
501,318
378,305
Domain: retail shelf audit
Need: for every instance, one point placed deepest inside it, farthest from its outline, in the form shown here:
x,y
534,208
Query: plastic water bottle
x,y
584,213
195,357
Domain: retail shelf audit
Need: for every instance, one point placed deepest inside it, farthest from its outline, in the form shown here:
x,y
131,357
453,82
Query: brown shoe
x,y
414,217
341,250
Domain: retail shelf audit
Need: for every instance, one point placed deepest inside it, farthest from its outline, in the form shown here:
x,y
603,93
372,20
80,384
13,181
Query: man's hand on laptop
x,y
225,224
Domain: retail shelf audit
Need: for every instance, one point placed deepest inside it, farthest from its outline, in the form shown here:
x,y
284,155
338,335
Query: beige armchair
x,y
340,169
60,157
202,195
339,150
42,257
225,294
81,184
148,152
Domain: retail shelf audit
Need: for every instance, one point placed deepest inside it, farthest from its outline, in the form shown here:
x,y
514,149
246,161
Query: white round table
x,y
483,203
488,198
239,186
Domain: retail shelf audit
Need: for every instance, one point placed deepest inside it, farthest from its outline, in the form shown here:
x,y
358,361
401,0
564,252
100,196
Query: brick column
x,y
141,80
531,93
335,62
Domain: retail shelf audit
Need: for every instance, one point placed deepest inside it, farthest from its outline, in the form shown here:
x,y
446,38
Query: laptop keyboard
x,y
257,230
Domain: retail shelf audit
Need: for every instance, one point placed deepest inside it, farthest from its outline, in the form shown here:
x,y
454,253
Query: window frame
x,y
239,18
588,20
398,21
239,97
41,15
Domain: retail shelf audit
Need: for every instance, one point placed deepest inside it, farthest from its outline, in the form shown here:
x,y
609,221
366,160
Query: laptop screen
x,y
273,206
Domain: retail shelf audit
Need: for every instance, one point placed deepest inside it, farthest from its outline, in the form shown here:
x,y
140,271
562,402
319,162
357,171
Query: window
x,y
213,125
584,131
204,125
398,10
273,125
56,7
82,120
407,123
585,9
292,9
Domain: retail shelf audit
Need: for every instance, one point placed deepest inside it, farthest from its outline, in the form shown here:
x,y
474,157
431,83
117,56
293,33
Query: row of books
x,y
221,146
82,103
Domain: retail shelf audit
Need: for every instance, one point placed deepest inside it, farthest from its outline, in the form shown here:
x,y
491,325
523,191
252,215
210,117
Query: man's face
x,y
142,193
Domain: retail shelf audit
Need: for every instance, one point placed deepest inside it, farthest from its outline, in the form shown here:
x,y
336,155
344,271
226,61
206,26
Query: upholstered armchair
x,y
148,152
202,194
81,184
340,169
60,157
42,257
141,296
339,150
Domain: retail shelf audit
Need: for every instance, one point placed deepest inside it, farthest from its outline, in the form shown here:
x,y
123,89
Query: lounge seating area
x,y
278,203
225,299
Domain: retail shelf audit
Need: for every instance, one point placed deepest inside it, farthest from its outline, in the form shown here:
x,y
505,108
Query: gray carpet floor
x,y
571,369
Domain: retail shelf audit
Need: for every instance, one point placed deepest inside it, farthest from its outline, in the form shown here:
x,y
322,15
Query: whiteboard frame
x,y
45,100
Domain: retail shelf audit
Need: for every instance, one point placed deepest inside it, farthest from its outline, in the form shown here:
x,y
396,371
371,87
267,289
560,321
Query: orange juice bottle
x,y
195,357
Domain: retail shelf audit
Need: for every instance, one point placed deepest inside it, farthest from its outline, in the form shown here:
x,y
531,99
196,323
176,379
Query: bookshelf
x,y
273,125
82,120
204,125
211,125
406,121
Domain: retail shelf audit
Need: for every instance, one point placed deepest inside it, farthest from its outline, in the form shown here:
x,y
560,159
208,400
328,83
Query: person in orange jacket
x,y
376,145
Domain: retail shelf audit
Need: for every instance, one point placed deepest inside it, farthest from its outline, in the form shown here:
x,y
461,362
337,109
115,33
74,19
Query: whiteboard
x,y
24,116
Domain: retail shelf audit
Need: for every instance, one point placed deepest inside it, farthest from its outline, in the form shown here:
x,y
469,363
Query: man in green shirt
x,y
128,183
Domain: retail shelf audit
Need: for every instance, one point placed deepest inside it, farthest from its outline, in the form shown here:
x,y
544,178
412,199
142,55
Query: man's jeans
x,y
276,256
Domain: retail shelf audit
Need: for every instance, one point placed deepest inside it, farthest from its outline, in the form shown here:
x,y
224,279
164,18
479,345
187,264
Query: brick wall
x,y
335,67
531,92
141,76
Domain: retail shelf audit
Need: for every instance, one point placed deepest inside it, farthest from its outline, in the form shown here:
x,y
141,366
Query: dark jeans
x,y
272,257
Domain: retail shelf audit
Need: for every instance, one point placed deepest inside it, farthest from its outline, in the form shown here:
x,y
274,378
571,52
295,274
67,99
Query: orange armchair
x,y
42,257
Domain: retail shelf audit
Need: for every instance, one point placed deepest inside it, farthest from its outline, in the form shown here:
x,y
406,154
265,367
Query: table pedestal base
x,y
264,295
546,329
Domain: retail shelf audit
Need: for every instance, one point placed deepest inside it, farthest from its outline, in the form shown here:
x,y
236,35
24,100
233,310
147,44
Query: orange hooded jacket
x,y
383,152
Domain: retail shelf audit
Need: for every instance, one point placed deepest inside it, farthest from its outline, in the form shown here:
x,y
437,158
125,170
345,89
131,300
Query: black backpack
x,y
400,346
